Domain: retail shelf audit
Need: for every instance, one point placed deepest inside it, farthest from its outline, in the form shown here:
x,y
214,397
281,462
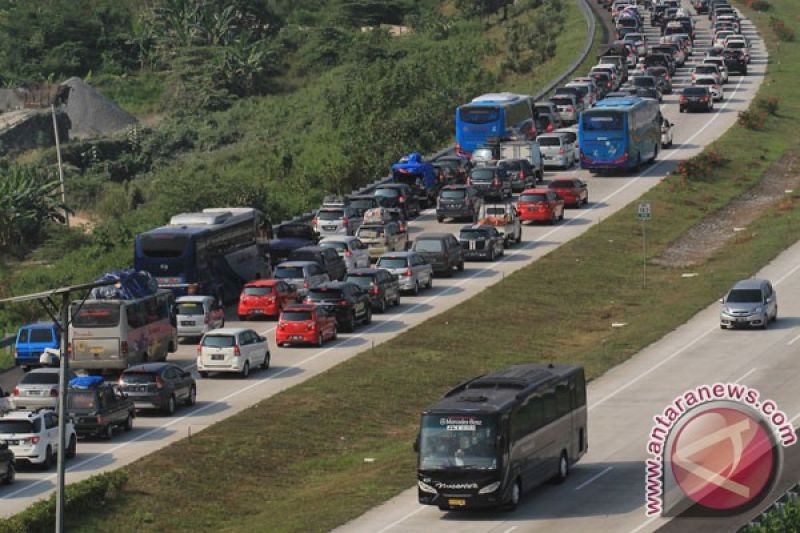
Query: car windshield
x,y
361,281
428,245
296,316
537,197
138,377
453,193
289,272
392,262
597,120
339,246
257,291
189,308
362,204
741,296
695,91
549,141
473,235
478,115
324,294
219,341
370,232
561,184
95,315
482,174
334,214
19,426
456,442
39,378
81,399
644,81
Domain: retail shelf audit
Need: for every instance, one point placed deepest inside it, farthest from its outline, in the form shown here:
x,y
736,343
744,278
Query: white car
x,y
33,436
719,38
571,136
354,253
666,133
713,86
720,63
232,350
705,71
556,150
196,315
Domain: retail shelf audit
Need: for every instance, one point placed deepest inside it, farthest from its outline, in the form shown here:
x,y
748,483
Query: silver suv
x,y
336,221
412,270
750,303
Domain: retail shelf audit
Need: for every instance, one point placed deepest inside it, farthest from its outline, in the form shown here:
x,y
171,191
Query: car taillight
x,y
123,348
345,221
521,174
402,199
374,289
469,181
495,182
348,253
69,348
550,128
305,284
342,302
237,352
199,349
704,99
206,319
570,109
310,326
15,392
682,99
159,383
408,272
314,221
53,392
561,150
35,439
99,419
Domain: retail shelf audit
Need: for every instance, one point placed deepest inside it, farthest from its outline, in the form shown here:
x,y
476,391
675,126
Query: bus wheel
x,y
516,494
563,469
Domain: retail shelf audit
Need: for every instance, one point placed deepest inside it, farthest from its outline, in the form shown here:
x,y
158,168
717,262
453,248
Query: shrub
x,y
701,166
768,105
782,31
759,5
752,119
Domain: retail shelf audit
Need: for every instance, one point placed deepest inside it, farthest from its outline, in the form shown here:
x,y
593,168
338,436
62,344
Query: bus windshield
x,y
95,315
479,115
164,245
603,121
457,441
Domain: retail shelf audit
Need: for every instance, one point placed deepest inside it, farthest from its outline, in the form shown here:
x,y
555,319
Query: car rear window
x,y
705,81
258,291
40,378
324,294
330,214
336,245
370,232
453,193
473,234
482,174
695,91
387,192
392,262
549,141
41,335
561,101
533,198
138,377
81,399
219,341
361,281
19,426
561,184
296,316
428,245
289,272
95,315
189,308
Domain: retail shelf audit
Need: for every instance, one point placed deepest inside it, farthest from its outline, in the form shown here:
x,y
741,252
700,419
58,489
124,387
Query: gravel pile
x,y
91,113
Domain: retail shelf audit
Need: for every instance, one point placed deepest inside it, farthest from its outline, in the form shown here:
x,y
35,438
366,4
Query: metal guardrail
x,y
790,496
588,13
5,342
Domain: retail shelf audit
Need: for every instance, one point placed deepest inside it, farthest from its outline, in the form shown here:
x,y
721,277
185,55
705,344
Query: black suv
x,y
441,250
491,181
399,195
348,302
458,201
735,61
159,385
523,175
327,258
381,285
362,203
8,470
97,407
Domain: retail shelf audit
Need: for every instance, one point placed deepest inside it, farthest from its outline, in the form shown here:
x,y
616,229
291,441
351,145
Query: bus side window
x,y
562,398
135,314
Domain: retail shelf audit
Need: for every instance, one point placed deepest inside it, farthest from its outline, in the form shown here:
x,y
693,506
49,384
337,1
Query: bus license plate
x,y
457,502
96,349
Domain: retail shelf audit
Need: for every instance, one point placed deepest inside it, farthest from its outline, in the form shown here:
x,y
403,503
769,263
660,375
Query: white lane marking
x,y
594,477
509,530
746,374
402,519
644,524
794,418
793,340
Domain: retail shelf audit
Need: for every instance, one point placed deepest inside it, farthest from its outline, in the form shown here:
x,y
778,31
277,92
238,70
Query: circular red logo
x,y
723,458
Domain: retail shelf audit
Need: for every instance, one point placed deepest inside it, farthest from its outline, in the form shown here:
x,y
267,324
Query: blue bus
x,y
495,115
620,133
209,253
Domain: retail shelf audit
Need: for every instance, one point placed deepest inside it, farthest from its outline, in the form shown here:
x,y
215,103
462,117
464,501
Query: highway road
x,y
219,398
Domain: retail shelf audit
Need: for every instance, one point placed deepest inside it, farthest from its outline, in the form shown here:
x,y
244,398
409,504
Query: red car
x,y
305,324
540,205
573,191
265,297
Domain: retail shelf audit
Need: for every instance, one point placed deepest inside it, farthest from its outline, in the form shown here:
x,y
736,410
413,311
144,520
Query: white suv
x,y
33,436
232,350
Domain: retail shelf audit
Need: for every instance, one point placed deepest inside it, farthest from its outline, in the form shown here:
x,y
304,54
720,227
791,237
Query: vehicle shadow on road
x,y
84,462
382,326
284,372
437,290
480,270
405,307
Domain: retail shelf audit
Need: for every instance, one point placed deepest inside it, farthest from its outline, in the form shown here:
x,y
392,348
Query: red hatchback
x,y
265,297
573,191
305,324
540,205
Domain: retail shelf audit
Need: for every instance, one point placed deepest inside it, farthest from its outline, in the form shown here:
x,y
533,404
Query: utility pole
x,y
60,166
63,373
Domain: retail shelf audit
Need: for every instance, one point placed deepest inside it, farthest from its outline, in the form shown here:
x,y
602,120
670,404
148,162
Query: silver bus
x,y
497,436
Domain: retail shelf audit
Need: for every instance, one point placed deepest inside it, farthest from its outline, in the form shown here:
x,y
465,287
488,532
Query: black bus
x,y
491,439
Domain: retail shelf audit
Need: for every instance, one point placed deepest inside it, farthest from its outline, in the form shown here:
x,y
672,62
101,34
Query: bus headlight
x,y
491,487
424,487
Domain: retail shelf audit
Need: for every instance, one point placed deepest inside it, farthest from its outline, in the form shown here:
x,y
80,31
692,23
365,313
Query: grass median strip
x,y
296,462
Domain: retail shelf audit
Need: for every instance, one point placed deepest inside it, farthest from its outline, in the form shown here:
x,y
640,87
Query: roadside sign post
x,y
644,214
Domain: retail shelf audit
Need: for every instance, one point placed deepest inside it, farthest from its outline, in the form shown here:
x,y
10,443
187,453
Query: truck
x,y
524,150
419,175
504,217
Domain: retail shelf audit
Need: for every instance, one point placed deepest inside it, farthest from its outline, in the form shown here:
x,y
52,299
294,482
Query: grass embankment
x,y
295,462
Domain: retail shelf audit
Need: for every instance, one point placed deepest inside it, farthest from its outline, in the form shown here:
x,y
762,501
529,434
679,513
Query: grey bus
x,y
493,438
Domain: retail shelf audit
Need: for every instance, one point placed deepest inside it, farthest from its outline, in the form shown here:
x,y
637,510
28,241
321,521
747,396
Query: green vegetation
x,y
785,518
308,443
265,104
